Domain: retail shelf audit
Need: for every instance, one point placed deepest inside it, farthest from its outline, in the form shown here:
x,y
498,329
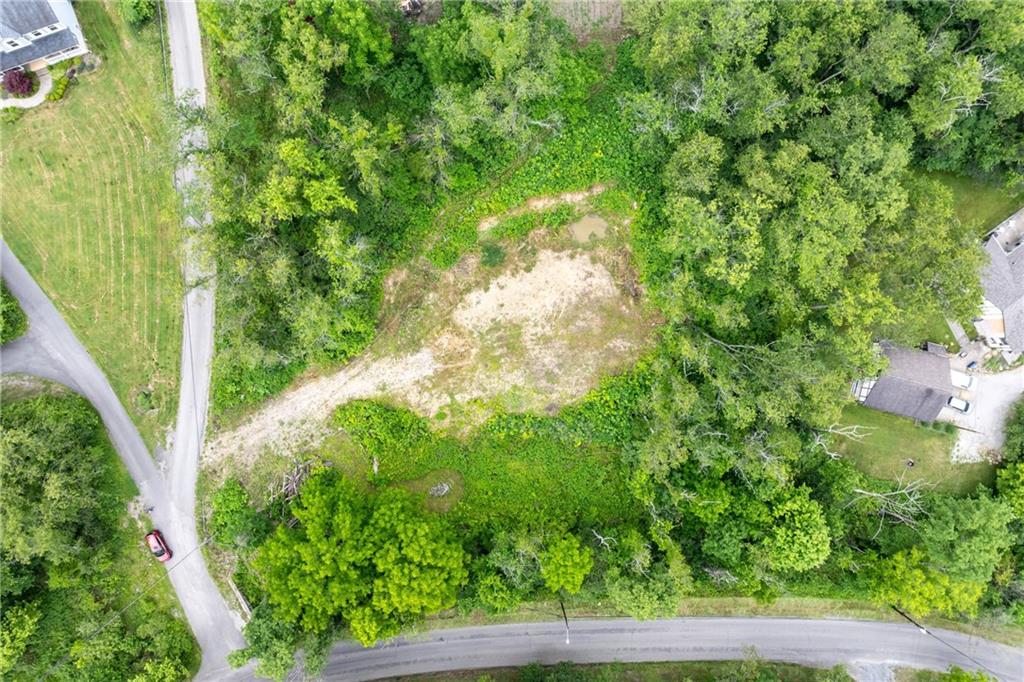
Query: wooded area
x,y
776,153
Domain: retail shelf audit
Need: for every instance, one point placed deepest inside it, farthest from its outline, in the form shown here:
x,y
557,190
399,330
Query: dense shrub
x,y
13,322
136,12
60,86
20,83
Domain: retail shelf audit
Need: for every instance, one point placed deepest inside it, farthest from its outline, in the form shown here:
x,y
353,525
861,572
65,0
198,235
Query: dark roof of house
x,y
47,45
18,17
1003,277
916,384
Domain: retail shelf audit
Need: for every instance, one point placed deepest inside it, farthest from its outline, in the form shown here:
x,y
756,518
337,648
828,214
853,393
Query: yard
x,y
91,211
894,440
980,205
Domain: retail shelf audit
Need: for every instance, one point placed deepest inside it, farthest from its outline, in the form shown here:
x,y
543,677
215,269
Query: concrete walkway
x,y
45,85
959,334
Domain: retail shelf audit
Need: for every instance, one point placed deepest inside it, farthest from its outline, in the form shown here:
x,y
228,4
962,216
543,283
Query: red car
x,y
158,546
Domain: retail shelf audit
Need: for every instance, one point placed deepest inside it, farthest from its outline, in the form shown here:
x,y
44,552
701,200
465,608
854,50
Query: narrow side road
x,y
820,643
215,626
51,350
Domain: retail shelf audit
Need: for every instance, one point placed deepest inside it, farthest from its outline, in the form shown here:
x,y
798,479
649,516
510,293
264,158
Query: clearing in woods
x,y
531,324
90,209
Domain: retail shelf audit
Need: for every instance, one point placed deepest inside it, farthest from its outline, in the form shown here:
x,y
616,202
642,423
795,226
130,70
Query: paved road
x,y
216,628
821,643
51,350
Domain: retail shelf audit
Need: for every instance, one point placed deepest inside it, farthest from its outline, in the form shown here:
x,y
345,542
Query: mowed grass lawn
x,y
89,207
893,440
980,205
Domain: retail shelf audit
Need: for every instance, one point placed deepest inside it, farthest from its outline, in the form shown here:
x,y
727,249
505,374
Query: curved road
x,y
51,350
821,643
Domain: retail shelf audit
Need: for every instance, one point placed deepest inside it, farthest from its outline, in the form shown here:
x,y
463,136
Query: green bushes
x,y
136,12
60,86
13,321
71,559
234,520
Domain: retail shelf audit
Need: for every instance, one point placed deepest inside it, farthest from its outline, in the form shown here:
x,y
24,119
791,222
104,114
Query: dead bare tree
x,y
853,432
904,504
605,541
720,576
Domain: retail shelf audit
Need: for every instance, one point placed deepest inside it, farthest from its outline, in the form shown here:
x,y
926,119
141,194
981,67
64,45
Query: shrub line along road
x,y
50,350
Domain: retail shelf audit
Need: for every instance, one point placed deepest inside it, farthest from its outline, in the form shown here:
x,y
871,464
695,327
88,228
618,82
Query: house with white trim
x,y
37,33
1001,324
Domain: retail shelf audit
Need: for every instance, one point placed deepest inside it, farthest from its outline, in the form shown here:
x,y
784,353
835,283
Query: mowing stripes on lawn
x,y
91,210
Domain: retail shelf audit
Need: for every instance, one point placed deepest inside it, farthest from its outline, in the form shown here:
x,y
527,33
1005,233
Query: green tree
x,y
643,584
1010,483
268,640
565,564
966,538
374,564
19,625
51,449
136,12
907,581
799,540
233,519
13,322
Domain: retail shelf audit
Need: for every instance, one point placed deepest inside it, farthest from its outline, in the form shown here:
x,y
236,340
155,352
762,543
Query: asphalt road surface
x,y
820,643
51,350
217,629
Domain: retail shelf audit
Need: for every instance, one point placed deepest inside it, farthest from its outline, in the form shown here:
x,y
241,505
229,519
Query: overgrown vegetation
x,y
784,223
13,322
71,559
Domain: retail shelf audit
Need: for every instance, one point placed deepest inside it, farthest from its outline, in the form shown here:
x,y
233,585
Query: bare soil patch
x,y
456,345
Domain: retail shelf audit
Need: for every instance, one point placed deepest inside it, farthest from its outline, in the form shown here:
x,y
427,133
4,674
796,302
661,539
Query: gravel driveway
x,y
981,432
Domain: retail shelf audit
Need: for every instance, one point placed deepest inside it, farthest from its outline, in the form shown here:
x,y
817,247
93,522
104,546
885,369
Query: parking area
x,y
981,431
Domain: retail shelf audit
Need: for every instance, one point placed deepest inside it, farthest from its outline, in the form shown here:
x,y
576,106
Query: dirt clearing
x,y
456,345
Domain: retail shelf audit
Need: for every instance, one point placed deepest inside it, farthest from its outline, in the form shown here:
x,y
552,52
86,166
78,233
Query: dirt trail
x,y
296,418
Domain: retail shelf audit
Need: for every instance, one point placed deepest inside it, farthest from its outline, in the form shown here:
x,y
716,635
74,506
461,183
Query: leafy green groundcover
x,y
13,322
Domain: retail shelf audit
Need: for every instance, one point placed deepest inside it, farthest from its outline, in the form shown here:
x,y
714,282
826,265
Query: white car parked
x,y
964,381
960,405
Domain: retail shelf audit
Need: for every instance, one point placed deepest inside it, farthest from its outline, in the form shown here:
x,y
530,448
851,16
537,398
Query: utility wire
x,y
926,631
110,620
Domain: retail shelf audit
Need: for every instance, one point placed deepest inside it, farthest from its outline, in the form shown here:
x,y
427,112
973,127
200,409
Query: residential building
x,y
36,33
917,383
1001,324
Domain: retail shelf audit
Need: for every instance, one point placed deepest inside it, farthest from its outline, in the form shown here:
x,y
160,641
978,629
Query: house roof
x,y
1003,278
18,17
917,384
47,45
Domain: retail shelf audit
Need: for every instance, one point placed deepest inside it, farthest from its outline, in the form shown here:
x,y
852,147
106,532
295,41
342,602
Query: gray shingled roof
x,y
1003,282
47,45
18,17
916,384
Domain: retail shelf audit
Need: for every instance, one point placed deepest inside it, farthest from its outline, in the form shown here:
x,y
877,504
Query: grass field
x,y
893,440
90,209
980,205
